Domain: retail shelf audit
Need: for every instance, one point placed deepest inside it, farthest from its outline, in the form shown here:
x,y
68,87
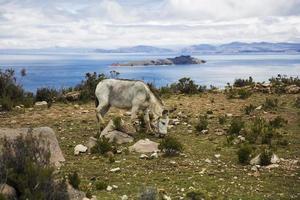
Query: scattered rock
x,y
41,105
154,155
80,149
204,131
271,166
124,197
72,96
190,131
109,188
8,192
128,114
165,197
259,107
144,146
115,169
219,132
143,156
255,160
45,135
292,89
207,160
275,159
119,137
229,115
217,156
254,168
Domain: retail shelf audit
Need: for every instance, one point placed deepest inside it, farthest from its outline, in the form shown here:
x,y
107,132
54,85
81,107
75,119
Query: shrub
x,y
237,93
270,103
236,126
249,109
101,185
267,136
170,146
265,157
74,180
185,86
202,123
297,102
243,93
12,93
243,82
278,122
259,127
148,193
222,119
209,112
284,80
46,94
117,121
102,146
244,154
27,168
194,195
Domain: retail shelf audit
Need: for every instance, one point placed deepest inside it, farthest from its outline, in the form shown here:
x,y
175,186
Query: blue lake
x,y
63,70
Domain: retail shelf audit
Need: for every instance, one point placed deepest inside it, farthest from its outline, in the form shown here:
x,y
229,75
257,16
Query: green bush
x,y
170,146
101,185
186,86
222,119
243,82
46,94
265,157
259,128
236,126
27,168
74,180
270,103
148,193
117,121
278,122
244,154
12,93
237,93
202,123
249,109
284,80
195,195
102,146
243,93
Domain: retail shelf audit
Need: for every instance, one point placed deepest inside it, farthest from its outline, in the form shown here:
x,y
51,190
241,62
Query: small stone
x,y
115,186
80,149
204,131
255,160
143,156
207,160
190,131
259,107
165,197
109,188
172,162
254,168
217,156
154,155
271,166
229,115
115,169
124,197
275,159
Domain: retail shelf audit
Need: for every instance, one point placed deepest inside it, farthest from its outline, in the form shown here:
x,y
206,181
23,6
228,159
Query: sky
x,y
163,23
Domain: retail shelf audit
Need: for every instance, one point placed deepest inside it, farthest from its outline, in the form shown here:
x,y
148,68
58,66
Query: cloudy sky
x,y
165,23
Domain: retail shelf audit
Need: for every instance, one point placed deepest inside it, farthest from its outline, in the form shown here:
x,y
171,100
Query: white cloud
x,y
112,23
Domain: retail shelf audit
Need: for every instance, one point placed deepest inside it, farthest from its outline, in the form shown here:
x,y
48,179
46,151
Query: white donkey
x,y
129,94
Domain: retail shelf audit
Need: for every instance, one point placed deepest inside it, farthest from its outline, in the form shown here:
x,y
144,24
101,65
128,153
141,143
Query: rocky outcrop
x,y
114,135
180,60
46,134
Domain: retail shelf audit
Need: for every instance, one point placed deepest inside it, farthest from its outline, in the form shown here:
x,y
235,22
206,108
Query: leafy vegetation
x,y
170,146
265,157
74,180
236,126
101,185
244,153
270,103
249,109
243,82
102,146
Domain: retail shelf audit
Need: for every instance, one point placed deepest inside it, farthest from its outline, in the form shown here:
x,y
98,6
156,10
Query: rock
x,y
259,107
45,135
204,131
174,121
72,96
91,143
241,138
271,166
41,105
292,89
219,132
80,149
165,197
154,155
255,160
162,126
254,168
144,146
207,160
143,156
229,115
217,156
275,159
115,169
8,192
115,186
124,197
109,188
128,114
115,135
190,131
119,137
74,194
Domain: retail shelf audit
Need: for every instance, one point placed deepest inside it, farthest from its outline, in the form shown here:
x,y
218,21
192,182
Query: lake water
x,y
63,70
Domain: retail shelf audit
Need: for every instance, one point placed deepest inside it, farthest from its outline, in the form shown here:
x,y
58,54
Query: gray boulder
x,y
41,133
8,192
41,105
144,146
114,135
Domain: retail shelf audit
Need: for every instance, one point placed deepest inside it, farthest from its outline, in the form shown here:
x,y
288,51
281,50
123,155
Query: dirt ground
x,y
222,178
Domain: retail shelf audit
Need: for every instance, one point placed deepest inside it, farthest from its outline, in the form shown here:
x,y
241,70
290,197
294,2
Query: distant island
x,y
179,60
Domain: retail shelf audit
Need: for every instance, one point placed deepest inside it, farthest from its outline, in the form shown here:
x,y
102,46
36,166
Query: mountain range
x,y
229,48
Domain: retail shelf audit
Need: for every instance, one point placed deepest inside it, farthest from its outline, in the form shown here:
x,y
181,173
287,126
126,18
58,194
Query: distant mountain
x,y
240,47
136,49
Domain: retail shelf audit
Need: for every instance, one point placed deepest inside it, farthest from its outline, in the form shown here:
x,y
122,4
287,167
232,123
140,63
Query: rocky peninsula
x,y
180,60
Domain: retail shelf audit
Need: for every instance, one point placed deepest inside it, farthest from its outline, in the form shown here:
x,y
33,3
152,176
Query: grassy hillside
x,y
222,178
